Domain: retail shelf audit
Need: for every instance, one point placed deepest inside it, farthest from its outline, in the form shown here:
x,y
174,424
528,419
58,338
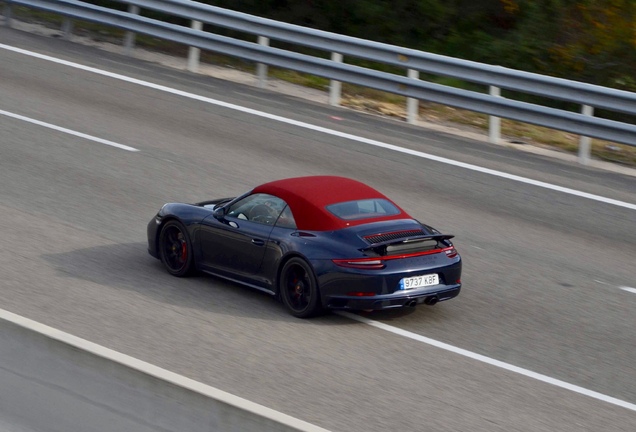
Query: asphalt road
x,y
543,270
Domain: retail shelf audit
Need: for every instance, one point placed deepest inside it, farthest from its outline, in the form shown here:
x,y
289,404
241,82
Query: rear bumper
x,y
399,299
356,289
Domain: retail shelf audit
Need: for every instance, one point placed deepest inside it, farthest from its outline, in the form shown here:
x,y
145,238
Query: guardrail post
x,y
494,123
129,38
335,87
67,28
412,104
261,68
7,14
585,142
194,54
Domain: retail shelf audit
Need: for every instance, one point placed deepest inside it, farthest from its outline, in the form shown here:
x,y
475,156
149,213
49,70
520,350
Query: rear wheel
x,y
175,249
298,289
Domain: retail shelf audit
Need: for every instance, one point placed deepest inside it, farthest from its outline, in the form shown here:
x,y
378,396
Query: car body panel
x,y
234,247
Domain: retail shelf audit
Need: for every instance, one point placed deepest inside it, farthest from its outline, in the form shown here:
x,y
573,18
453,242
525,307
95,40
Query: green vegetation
x,y
587,40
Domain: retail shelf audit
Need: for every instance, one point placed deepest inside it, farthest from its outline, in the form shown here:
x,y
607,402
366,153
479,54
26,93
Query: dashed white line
x,y
491,361
67,131
327,131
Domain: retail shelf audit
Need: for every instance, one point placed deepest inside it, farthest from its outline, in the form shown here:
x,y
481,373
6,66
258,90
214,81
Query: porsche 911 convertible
x,y
318,243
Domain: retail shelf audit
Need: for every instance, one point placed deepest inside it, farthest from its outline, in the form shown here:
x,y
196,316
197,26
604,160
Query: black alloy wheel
x,y
175,249
298,289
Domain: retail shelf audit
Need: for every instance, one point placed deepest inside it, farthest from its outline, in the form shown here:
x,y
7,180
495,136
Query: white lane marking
x,y
491,361
67,131
624,288
327,131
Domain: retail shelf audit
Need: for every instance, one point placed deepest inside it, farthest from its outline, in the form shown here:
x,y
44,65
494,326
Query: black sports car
x,y
317,242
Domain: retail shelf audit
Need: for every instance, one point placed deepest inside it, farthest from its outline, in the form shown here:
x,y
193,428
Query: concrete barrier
x,y
53,381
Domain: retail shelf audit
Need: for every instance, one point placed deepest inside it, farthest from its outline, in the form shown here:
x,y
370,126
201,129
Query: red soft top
x,y
308,196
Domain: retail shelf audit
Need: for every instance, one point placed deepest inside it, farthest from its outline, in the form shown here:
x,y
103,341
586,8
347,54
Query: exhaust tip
x,y
431,300
411,303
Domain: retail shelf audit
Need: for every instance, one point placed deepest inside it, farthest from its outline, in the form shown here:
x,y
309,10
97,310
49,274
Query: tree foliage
x,y
586,40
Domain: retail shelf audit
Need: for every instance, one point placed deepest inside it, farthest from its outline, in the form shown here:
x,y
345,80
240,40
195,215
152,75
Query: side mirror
x,y
219,213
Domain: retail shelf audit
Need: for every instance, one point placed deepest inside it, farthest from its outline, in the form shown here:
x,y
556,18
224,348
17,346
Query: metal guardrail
x,y
553,88
415,61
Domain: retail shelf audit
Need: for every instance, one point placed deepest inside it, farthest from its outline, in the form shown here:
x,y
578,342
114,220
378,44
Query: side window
x,y
259,208
286,219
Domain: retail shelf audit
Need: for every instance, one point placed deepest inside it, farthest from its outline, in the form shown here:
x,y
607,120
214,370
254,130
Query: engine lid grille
x,y
390,236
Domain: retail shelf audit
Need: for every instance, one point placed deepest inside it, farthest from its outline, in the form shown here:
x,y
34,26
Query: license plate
x,y
419,281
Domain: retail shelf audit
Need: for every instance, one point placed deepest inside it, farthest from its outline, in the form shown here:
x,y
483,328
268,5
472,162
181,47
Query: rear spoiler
x,y
438,237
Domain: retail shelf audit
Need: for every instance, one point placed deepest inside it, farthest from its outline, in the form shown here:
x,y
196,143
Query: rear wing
x,y
412,239
410,244
437,237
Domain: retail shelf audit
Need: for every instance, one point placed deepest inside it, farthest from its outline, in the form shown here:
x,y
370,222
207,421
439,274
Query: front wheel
x,y
175,249
298,289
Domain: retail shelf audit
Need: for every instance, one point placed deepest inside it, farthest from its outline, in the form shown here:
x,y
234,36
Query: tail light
x,y
451,252
362,263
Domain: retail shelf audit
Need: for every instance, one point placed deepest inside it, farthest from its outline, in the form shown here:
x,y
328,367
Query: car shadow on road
x,y
128,266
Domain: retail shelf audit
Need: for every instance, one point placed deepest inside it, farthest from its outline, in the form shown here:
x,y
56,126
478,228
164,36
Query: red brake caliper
x,y
184,250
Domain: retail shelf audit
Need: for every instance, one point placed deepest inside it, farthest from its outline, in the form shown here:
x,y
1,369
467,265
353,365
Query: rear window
x,y
363,209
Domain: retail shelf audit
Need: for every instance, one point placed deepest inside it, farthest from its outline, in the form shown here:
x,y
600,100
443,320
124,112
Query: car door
x,y
233,242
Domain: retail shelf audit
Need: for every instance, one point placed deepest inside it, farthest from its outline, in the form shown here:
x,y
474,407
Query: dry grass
x,y
512,131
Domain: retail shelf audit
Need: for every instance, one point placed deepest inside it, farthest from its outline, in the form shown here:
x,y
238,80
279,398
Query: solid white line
x,y
629,289
327,131
67,131
491,361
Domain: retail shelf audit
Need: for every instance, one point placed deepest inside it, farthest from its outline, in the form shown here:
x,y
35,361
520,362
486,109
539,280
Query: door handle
x,y
258,242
